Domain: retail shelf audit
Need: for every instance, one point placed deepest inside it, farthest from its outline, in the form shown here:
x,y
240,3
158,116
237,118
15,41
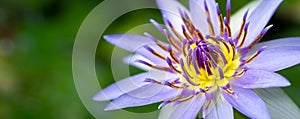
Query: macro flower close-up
x,y
213,63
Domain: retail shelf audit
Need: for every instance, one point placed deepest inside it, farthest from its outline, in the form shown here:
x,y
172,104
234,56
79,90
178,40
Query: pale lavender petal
x,y
260,79
224,109
131,83
119,88
277,58
136,43
292,41
188,109
144,95
279,103
211,4
259,18
236,18
198,16
128,42
213,114
170,9
132,60
219,109
143,51
248,103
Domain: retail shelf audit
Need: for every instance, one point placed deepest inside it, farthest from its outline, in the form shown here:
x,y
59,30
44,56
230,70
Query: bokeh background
x,y
36,40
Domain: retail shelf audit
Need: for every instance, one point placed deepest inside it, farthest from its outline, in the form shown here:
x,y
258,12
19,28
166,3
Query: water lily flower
x,y
211,65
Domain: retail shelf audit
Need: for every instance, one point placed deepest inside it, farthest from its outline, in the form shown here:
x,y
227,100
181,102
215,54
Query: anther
x,y
255,55
156,41
188,37
172,66
220,19
226,22
263,32
242,72
172,54
245,34
152,81
173,30
243,24
228,11
208,19
154,52
153,66
157,25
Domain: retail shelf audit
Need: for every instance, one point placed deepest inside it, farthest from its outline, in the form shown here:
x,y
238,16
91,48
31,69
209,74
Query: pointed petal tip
x,y
110,107
108,37
285,84
99,97
105,36
112,38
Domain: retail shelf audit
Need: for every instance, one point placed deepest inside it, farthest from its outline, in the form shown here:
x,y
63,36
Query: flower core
x,y
209,63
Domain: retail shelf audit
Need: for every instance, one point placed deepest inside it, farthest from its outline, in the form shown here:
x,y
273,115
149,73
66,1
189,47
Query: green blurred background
x,y
36,40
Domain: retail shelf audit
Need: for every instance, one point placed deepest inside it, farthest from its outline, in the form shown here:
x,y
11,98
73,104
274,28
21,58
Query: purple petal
x,y
248,103
119,88
293,41
259,19
170,8
147,94
136,43
260,79
212,114
132,60
276,58
128,42
197,16
224,109
219,109
188,109
211,4
128,84
236,19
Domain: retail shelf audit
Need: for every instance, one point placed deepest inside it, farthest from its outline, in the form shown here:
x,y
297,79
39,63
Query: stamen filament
x,y
242,72
264,31
243,25
208,19
154,52
153,66
172,66
254,55
244,36
156,41
173,30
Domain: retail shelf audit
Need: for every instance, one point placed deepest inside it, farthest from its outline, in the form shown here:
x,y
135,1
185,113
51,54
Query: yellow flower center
x,y
209,64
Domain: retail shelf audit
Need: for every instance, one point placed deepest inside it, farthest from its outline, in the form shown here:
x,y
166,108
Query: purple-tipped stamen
x,y
226,21
245,15
157,25
218,9
246,26
266,29
150,37
228,6
205,6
